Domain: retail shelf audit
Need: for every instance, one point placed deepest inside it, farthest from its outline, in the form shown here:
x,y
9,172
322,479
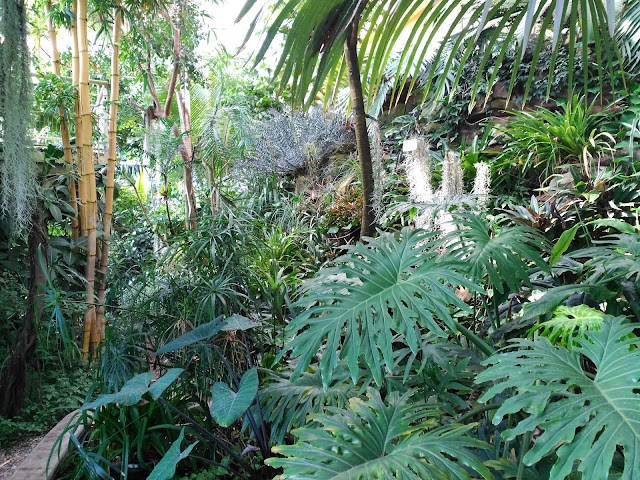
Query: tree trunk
x,y
14,377
368,221
88,194
186,150
64,127
111,174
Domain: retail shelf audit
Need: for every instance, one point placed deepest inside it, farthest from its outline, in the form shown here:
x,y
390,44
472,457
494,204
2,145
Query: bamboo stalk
x,y
88,194
64,126
111,173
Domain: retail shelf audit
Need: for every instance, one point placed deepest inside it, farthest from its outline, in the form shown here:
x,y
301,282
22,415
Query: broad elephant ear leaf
x,y
585,418
386,287
395,438
226,405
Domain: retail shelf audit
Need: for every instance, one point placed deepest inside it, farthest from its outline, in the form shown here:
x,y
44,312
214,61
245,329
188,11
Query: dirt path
x,y
12,456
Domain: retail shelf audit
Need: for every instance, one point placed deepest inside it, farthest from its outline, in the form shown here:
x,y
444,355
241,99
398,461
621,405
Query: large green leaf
x,y
130,393
199,334
396,438
387,286
501,254
585,417
166,467
226,405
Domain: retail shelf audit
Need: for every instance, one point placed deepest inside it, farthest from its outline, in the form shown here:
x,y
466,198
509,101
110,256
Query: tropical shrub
x,y
394,438
583,400
389,285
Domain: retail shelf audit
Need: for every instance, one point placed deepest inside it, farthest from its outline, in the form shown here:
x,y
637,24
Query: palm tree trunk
x,y
186,150
88,194
111,173
368,221
14,380
64,126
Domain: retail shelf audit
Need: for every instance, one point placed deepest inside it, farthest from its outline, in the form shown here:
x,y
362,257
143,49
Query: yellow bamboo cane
x,y
111,172
88,194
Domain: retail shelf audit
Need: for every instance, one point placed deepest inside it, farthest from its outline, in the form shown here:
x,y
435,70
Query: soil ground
x,y
11,457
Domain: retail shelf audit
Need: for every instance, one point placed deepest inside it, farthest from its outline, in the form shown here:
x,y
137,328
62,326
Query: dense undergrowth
x,y
499,341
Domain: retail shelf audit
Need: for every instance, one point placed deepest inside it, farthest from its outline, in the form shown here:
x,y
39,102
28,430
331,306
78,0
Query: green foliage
x,y
585,412
288,404
52,394
569,322
387,286
404,35
226,405
537,143
133,390
396,438
615,259
166,467
499,252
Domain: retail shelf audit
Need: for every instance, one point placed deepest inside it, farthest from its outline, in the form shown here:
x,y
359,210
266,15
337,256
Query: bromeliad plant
x,y
538,143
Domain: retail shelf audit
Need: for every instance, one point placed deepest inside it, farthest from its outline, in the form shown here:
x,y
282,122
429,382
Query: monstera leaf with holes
x,y
396,438
386,287
502,254
586,417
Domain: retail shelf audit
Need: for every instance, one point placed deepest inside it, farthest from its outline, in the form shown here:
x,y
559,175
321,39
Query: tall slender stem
x,y
111,172
368,220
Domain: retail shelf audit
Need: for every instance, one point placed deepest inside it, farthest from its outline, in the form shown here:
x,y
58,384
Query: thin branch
x,y
176,64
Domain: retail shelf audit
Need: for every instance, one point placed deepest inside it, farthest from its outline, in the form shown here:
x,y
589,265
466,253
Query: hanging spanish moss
x,y
17,161
379,173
